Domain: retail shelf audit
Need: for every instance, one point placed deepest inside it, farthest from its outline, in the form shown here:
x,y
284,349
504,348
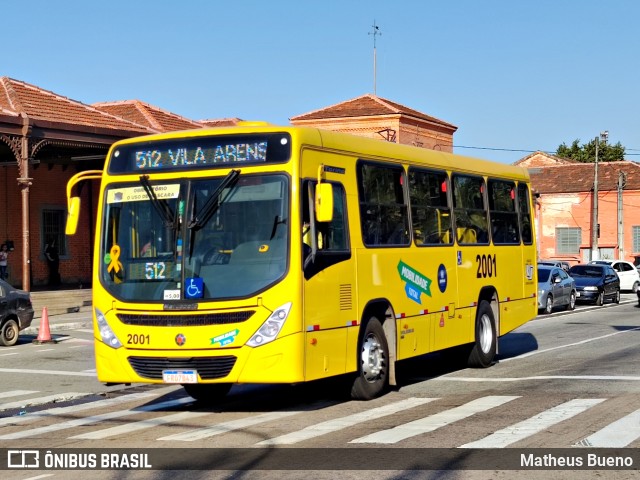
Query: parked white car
x,y
629,275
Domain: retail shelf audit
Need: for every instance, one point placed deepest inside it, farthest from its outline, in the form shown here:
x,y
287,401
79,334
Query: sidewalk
x,y
61,322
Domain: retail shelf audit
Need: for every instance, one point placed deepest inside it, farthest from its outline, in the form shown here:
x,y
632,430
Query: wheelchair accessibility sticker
x,y
194,288
417,284
225,338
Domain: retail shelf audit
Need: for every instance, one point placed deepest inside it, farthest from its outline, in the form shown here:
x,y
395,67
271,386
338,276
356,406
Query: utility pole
x,y
376,31
595,253
622,181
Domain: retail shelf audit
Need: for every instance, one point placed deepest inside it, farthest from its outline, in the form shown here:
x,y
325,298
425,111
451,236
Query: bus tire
x,y
373,363
9,333
207,392
484,348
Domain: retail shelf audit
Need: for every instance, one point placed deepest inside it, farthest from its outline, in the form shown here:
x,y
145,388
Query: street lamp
x,y
595,253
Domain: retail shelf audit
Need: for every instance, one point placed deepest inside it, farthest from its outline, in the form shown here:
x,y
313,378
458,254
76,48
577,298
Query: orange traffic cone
x,y
44,336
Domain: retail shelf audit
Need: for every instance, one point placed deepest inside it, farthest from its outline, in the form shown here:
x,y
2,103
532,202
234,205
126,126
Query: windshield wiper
x,y
214,201
212,204
161,206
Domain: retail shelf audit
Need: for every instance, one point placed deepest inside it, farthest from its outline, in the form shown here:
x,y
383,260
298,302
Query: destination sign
x,y
201,152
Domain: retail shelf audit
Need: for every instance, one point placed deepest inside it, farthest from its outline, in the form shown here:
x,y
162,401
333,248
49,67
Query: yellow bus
x,y
267,254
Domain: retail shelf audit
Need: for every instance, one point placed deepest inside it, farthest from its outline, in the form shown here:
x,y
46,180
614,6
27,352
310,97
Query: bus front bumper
x,y
280,361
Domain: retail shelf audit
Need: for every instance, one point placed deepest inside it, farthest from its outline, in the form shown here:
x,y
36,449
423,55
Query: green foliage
x,y
586,153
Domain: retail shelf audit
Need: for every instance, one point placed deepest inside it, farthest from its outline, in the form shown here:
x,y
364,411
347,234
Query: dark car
x,y
16,313
596,283
555,263
555,289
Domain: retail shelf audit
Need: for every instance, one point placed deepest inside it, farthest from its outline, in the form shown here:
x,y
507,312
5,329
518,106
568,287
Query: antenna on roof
x,y
376,31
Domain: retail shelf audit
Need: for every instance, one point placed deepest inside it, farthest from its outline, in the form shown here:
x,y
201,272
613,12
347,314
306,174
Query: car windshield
x,y
194,240
586,271
543,275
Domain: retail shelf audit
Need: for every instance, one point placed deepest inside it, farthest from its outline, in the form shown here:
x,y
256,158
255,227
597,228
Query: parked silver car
x,y
555,289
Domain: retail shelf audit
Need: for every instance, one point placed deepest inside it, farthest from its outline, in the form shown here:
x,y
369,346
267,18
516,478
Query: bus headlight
x,y
271,327
107,335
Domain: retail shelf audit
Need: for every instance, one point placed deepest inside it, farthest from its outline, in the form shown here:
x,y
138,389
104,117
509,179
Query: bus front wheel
x,y
207,392
373,363
484,349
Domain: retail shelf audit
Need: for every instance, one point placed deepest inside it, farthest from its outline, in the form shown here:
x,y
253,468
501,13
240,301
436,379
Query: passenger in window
x,y
147,248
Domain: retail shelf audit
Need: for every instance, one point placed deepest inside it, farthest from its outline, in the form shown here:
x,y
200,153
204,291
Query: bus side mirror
x,y
324,202
73,214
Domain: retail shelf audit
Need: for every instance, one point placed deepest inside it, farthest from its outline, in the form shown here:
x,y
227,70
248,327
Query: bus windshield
x,y
195,239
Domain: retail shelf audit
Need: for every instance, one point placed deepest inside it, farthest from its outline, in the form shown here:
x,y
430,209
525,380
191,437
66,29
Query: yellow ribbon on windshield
x,y
114,264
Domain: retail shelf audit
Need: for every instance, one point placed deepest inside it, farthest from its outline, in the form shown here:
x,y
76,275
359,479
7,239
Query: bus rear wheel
x,y
373,363
207,392
484,349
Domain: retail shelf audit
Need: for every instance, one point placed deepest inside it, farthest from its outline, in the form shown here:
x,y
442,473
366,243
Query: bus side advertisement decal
x,y
417,284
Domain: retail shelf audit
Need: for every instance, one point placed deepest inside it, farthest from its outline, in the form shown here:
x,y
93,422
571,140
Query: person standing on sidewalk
x,y
53,260
4,256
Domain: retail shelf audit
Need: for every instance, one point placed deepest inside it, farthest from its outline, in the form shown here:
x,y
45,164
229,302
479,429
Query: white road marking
x,y
85,406
141,425
535,424
16,393
345,422
433,422
618,434
29,402
93,419
230,426
45,372
582,342
539,377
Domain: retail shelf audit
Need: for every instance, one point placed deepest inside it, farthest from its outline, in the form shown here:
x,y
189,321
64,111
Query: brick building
x,y
375,117
564,207
46,138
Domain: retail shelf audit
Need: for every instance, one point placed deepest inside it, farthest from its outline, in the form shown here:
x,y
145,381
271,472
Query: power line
x,y
504,149
550,152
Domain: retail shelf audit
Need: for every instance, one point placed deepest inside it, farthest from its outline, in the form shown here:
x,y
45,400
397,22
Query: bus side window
x,y
502,209
470,210
384,218
430,212
524,214
331,238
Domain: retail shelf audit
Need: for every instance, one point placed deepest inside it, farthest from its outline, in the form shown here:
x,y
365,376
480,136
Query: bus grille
x,y
208,368
185,320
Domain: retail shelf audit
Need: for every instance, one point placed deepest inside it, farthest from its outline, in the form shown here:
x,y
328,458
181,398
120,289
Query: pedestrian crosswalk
x,y
165,415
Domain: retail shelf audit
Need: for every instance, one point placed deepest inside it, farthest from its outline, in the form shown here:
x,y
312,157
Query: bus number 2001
x,y
487,266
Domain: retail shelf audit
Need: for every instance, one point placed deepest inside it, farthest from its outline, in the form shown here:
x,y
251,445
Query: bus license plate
x,y
179,376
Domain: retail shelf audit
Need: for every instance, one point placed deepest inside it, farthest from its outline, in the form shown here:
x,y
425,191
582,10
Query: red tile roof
x,y
149,115
17,97
550,159
578,177
367,105
220,122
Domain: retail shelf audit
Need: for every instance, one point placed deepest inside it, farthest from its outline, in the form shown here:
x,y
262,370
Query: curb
x,y
33,330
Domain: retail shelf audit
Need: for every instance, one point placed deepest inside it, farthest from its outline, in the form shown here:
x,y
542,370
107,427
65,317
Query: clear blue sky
x,y
513,75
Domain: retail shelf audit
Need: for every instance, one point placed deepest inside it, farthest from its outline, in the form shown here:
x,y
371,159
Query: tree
x,y
586,153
